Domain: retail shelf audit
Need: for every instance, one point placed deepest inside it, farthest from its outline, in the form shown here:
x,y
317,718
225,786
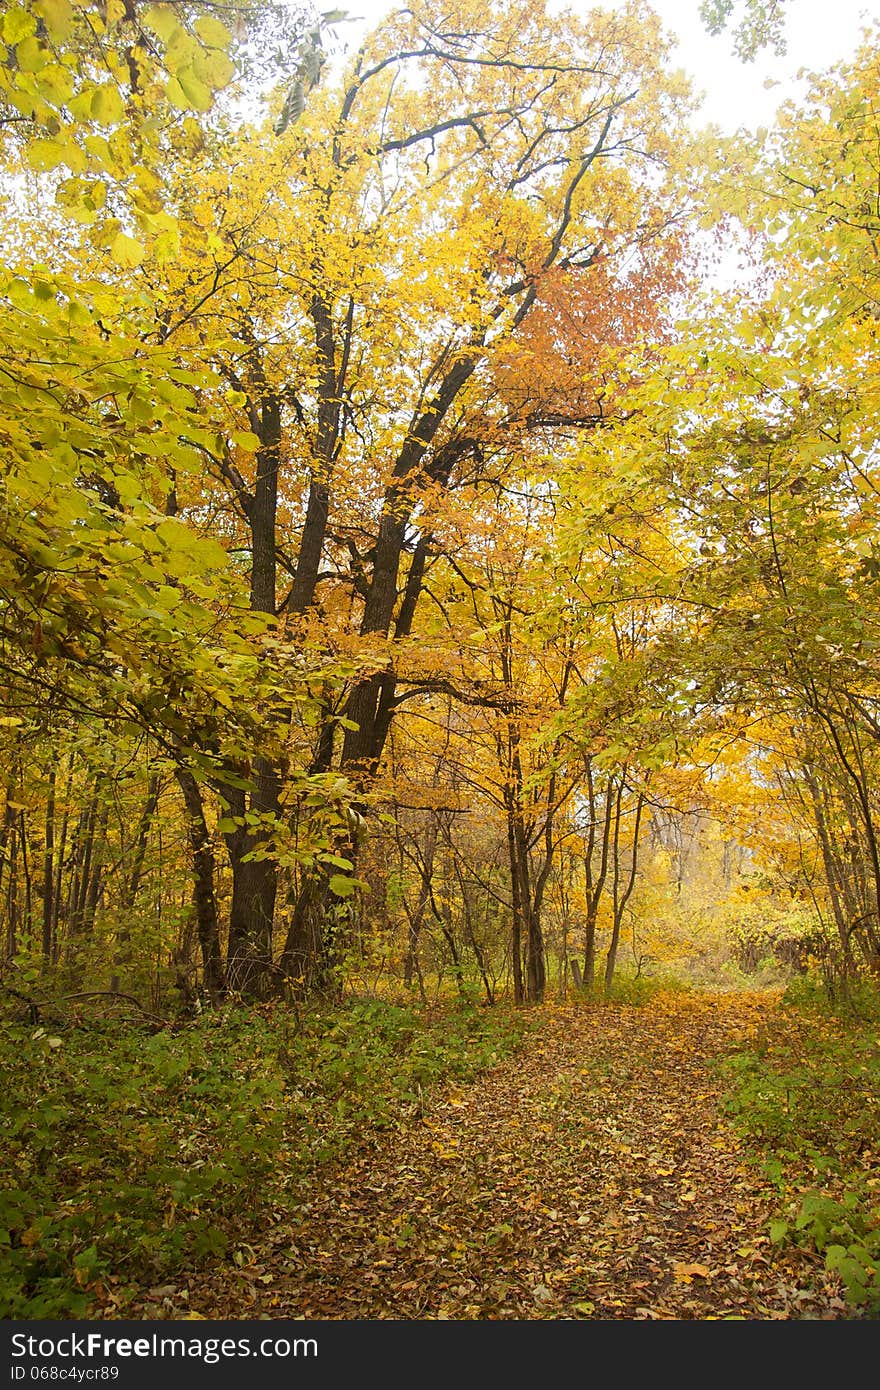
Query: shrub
x,y
129,1157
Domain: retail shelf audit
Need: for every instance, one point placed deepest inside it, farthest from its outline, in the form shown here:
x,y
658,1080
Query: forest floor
x,y
591,1175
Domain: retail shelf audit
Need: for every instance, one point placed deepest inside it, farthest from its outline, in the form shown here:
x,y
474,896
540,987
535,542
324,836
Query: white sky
x,y
819,32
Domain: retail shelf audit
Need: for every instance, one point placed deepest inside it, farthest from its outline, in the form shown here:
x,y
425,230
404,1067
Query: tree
x,y
365,309
119,610
769,457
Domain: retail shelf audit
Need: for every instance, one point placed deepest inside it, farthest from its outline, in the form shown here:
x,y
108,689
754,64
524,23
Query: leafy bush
x,y
808,1105
128,1157
856,998
639,990
767,939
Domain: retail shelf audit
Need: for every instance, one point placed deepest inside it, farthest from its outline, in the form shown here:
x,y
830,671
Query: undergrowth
x,y
127,1156
639,990
807,1103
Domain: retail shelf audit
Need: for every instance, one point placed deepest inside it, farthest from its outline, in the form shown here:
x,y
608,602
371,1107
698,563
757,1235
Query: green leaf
x,y
342,885
31,55
214,68
247,441
45,155
187,92
58,16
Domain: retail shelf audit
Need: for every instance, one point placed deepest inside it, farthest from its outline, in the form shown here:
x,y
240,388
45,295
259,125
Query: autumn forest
x,y
440,668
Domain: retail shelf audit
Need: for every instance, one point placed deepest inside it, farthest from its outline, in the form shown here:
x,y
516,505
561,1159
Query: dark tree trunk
x,y
141,839
621,900
830,866
249,965
516,927
417,915
249,968
49,869
305,964
595,885
204,902
83,848
95,879
59,859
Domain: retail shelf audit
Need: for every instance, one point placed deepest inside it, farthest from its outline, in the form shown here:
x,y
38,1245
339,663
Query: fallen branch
x,y
100,994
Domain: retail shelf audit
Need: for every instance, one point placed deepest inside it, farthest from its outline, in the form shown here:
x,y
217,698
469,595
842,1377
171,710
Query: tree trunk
x,y
621,902
59,859
204,901
304,966
81,877
11,839
417,916
594,887
516,929
589,972
49,870
140,845
249,968
830,867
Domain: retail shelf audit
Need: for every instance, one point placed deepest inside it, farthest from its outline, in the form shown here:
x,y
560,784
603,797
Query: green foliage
x,y
372,1062
128,1157
760,25
847,1233
639,990
769,937
128,1154
859,1001
807,1106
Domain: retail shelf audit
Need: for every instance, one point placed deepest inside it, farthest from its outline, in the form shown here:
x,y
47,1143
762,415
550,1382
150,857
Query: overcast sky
x,y
819,32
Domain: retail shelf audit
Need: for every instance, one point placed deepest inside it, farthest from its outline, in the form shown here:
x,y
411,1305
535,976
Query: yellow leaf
x,y
107,107
31,55
58,16
17,24
196,94
212,33
47,154
126,251
162,20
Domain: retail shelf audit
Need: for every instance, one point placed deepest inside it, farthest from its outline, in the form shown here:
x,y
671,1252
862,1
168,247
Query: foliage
x,y
639,990
759,23
312,377
129,1156
806,1104
588,1176
786,937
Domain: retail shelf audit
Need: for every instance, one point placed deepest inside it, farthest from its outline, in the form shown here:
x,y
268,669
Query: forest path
x,y
590,1175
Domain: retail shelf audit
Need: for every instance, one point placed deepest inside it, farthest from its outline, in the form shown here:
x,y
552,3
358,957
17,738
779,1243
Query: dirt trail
x,y
591,1176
